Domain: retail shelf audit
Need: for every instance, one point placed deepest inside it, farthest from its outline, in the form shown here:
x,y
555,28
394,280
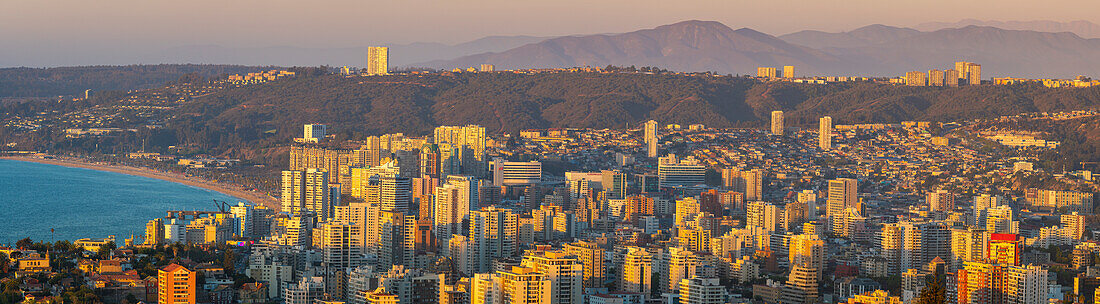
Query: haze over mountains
x,y
875,50
1035,49
1080,27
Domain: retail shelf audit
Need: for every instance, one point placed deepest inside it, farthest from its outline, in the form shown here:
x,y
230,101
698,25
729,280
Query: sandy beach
x,y
231,190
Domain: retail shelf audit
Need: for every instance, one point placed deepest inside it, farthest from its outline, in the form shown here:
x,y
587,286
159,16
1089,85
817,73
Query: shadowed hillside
x,y
505,102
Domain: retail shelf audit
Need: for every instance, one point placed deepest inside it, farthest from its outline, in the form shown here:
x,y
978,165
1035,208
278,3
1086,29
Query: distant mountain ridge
x,y
864,36
1082,28
1033,49
685,46
876,50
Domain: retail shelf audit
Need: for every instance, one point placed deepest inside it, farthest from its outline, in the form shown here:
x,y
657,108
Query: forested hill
x,y
506,102
64,81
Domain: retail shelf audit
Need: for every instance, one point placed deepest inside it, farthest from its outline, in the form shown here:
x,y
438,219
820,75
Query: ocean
x,y
78,203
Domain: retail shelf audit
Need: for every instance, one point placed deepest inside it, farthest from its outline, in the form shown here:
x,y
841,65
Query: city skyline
x,y
672,153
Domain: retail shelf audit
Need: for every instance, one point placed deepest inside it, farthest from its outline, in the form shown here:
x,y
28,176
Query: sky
x,y
113,28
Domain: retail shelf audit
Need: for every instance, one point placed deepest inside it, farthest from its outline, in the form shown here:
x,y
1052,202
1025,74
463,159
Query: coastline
x,y
230,190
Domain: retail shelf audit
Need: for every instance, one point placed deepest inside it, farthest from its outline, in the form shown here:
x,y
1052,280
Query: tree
x,y
104,250
5,262
24,243
932,293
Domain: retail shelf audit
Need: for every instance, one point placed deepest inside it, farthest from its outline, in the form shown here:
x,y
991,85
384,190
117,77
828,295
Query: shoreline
x,y
230,190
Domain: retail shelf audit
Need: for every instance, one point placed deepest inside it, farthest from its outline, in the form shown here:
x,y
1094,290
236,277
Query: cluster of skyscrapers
x,y
967,73
457,218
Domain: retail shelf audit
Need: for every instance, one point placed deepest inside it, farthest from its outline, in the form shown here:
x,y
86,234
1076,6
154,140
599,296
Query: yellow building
x,y
788,71
90,244
874,297
765,72
34,263
591,256
378,60
916,78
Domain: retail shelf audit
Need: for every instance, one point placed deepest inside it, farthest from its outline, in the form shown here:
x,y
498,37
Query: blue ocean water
x,y
79,203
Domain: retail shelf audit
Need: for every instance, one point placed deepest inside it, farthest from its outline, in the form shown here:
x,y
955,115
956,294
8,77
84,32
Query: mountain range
x,y
1034,49
1080,27
875,50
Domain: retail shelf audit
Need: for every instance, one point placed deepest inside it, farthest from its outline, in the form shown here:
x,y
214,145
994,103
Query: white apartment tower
x,y
777,123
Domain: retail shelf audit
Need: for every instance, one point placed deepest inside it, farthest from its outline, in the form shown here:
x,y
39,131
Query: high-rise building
x,y
765,72
378,60
1074,223
777,123
614,183
307,191
788,71
637,269
592,257
317,197
394,193
520,285
801,287
980,282
243,213
682,264
176,285
908,245
694,238
508,173
445,211
807,250
314,132
754,184
307,290
916,78
673,172
764,215
335,161
842,195
342,247
471,136
453,203
154,232
732,180
1004,248
969,72
1000,219
396,239
566,274
967,245
492,234
935,78
941,201
975,73
293,187
651,138
686,208
699,290
299,228
985,201
951,78
825,133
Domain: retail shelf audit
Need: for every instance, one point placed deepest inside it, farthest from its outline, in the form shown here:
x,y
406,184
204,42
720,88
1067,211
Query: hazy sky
x,y
61,27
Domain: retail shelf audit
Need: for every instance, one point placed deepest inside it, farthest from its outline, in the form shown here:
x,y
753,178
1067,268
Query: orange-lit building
x,y
638,205
175,284
1004,248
